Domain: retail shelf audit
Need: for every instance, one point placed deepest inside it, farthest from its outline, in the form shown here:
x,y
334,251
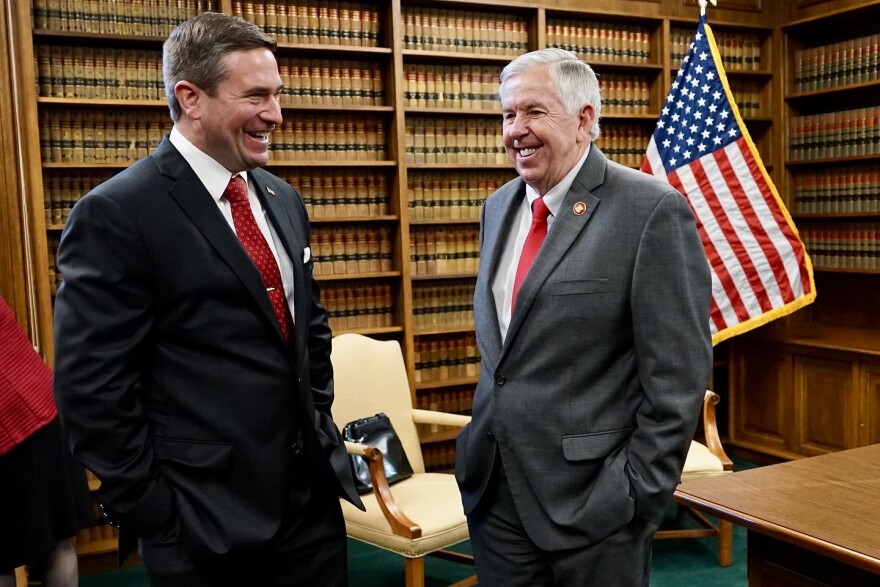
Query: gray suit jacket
x,y
594,395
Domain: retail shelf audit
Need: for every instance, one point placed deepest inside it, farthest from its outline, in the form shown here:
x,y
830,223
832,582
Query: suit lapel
x,y
495,231
198,205
567,225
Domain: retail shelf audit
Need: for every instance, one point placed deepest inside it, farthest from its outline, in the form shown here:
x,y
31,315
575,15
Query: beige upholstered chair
x,y
423,514
705,460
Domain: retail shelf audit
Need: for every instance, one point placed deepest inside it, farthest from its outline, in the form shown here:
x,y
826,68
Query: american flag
x,y
760,269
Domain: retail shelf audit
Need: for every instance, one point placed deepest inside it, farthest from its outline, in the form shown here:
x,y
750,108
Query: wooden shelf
x,y
97,547
346,276
824,336
446,383
443,330
345,219
449,276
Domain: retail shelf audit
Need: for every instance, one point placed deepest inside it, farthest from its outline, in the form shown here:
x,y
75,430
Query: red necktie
x,y
257,249
537,232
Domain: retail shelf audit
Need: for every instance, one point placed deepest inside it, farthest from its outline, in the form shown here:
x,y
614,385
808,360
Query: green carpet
x,y
676,563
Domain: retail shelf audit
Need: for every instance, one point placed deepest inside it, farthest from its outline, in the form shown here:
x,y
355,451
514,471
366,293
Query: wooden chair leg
x,y
415,571
725,543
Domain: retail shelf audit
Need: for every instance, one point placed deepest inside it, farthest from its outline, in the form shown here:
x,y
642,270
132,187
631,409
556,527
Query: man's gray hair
x,y
195,50
576,83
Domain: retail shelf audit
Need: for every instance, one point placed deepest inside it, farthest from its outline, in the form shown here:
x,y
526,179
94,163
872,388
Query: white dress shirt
x,y
502,284
215,178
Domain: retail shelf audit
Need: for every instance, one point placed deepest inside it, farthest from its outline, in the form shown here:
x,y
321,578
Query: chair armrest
x,y
440,418
710,430
400,524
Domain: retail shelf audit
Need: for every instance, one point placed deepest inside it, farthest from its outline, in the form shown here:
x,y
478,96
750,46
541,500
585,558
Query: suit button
x,y
500,380
296,449
490,436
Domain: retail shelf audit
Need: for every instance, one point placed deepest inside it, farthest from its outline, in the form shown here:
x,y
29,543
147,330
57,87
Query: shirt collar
x,y
212,174
555,195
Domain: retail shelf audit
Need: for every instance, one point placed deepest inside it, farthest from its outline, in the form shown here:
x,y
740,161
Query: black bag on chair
x,y
377,431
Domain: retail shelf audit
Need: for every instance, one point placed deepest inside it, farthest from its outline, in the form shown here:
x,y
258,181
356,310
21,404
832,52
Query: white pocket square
x,y
307,254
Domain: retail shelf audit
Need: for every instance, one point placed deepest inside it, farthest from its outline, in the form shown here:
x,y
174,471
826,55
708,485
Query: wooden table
x,y
811,522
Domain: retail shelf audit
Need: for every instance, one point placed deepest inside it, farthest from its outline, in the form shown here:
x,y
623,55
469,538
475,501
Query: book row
x,y
331,82
367,305
98,530
99,136
444,250
62,190
842,190
445,86
451,195
464,31
135,17
453,402
439,457
747,95
326,22
438,304
87,136
739,51
846,133
341,193
446,358
853,61
351,251
454,141
600,41
99,73
326,194
329,138
853,246
625,143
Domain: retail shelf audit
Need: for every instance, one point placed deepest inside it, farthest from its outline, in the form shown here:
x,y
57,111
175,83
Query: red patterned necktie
x,y
257,248
537,232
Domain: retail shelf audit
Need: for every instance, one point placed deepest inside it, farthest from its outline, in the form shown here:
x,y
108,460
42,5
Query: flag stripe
x,y
762,226
721,296
797,268
760,268
727,265
759,249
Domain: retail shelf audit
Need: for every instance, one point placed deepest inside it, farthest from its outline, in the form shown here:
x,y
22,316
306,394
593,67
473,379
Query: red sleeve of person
x,y
26,400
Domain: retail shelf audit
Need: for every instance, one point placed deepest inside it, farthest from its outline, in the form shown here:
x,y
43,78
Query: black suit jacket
x,y
172,378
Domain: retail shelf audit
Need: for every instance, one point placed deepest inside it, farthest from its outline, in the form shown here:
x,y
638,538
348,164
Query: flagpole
x,y
703,6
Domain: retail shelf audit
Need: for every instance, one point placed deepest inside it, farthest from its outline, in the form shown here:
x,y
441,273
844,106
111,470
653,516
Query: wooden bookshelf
x,y
394,99
809,384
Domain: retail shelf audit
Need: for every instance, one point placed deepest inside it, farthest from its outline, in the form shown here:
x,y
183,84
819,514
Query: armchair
x,y
706,460
421,515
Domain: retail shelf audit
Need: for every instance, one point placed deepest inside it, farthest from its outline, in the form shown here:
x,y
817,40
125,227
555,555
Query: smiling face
x,y
233,125
542,140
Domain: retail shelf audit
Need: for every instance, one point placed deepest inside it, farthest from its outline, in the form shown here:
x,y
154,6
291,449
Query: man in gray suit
x,y
595,356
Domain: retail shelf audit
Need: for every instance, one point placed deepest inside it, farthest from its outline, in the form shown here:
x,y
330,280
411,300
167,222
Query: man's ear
x,y
190,98
585,120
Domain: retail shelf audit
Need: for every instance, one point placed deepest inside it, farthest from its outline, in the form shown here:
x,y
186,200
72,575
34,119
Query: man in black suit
x,y
193,369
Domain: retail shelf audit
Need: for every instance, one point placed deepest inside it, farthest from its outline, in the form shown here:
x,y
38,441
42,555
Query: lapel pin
x,y
270,191
579,208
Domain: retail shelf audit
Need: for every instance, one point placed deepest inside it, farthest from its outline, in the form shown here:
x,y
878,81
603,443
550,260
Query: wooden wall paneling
x,y
869,424
24,134
826,404
761,415
13,268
